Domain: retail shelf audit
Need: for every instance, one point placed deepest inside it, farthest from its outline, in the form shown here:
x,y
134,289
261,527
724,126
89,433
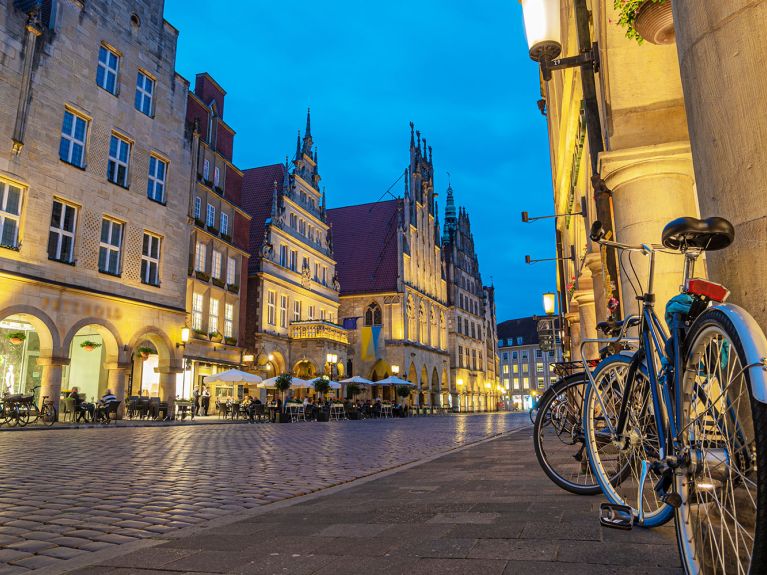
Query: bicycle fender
x,y
754,345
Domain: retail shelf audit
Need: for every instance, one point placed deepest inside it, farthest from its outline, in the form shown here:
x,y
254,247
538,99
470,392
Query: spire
x,y
298,145
274,201
316,148
324,199
308,133
450,212
418,148
412,140
430,156
308,142
407,178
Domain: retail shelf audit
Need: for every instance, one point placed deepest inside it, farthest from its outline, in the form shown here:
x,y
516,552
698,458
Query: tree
x,y
321,386
352,390
403,391
283,383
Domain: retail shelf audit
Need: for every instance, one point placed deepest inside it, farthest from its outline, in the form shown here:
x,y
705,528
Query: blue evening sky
x,y
458,69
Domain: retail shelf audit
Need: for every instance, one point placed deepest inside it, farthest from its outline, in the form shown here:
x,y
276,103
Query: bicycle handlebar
x,y
597,234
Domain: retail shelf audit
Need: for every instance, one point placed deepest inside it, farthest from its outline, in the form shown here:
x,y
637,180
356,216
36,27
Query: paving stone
x,y
62,552
38,562
10,555
31,546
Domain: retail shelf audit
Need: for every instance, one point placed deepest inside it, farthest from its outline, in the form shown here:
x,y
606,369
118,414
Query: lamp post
x,y
543,30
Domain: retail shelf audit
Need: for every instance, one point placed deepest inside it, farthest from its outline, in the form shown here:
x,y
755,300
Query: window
x,y
106,73
519,340
61,239
10,211
210,219
292,219
541,383
270,301
373,315
283,255
525,382
293,259
322,314
513,355
311,312
539,367
231,271
150,260
505,356
283,311
505,369
119,158
216,176
516,383
302,227
460,356
206,170
296,310
224,229
316,271
515,368
72,144
524,355
473,359
228,320
213,316
197,311
215,268
155,187
197,207
305,264
538,353
324,276
144,93
525,368
200,257
110,247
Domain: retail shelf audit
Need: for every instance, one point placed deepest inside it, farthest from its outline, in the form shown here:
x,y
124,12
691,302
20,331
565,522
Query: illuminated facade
x,y
292,310
393,289
471,317
218,256
93,199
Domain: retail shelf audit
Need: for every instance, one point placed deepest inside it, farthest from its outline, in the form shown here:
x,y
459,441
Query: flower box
x,y
202,276
230,340
218,282
226,238
234,288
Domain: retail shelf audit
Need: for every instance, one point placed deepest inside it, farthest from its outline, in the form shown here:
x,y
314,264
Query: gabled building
x,y
393,290
292,316
218,243
471,316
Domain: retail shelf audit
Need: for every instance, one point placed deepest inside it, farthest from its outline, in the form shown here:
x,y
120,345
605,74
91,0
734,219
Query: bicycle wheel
x,y
48,414
617,467
558,437
722,522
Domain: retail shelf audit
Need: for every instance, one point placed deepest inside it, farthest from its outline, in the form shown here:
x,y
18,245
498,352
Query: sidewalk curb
x,y
106,554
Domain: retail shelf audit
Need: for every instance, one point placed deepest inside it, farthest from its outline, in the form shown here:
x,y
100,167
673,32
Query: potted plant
x,y
215,336
403,391
17,337
200,333
283,383
144,352
88,345
650,20
353,390
230,340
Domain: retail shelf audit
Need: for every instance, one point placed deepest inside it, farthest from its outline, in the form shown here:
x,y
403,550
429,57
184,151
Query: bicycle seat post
x,y
690,257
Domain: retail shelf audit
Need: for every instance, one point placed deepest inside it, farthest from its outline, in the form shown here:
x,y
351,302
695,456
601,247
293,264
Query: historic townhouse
x,y
292,310
471,323
393,290
93,198
218,243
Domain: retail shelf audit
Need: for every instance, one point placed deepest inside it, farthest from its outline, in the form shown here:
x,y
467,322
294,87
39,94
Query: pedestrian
x,y
196,400
205,400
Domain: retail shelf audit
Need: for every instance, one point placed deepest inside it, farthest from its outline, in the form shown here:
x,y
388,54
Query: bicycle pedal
x,y
673,499
616,516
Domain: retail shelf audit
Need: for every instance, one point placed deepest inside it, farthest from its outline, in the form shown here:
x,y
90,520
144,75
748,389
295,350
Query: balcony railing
x,y
318,329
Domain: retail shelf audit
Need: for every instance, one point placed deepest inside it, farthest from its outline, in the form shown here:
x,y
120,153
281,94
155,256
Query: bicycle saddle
x,y
709,234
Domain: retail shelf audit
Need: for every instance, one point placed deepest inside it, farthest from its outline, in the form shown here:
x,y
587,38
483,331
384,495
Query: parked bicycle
x,y
686,415
20,410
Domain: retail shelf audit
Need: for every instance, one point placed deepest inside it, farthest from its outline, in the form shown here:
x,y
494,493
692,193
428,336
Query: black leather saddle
x,y
709,234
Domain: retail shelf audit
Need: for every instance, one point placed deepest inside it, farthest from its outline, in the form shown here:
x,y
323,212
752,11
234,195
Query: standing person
x,y
205,400
196,401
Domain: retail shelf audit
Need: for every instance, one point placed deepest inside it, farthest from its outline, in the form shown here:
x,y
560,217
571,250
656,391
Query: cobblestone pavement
x,y
486,510
67,493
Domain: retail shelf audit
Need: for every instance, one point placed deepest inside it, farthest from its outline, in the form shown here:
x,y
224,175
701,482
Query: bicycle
x,y
558,436
20,410
689,413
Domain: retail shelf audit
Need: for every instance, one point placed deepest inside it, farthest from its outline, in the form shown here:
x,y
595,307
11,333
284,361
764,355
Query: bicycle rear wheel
x,y
48,414
617,467
558,437
722,522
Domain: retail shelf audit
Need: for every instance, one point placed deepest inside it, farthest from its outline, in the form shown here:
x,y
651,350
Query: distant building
x,y
526,369
217,271
471,323
292,311
393,290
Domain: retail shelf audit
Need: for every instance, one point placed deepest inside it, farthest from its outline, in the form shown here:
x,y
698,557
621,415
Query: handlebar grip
x,y
596,233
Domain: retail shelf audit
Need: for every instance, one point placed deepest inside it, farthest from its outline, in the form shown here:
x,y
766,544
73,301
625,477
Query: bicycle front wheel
x,y
617,461
558,437
722,522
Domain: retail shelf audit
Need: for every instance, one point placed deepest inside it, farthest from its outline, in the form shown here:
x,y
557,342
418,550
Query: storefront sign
x,y
84,309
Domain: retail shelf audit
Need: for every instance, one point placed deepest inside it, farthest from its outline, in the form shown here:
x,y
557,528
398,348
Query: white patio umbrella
x,y
393,380
358,380
295,383
233,376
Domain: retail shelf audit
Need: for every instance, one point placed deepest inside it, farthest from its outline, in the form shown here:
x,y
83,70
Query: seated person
x,y
80,406
102,411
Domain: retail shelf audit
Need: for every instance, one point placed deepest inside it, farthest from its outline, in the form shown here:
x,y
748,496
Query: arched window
x,y
373,315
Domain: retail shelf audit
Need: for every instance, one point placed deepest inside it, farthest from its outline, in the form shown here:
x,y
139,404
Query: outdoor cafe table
x,y
183,408
386,410
337,411
296,411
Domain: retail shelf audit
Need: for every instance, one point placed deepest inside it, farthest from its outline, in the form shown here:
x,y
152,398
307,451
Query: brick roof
x,y
365,246
257,191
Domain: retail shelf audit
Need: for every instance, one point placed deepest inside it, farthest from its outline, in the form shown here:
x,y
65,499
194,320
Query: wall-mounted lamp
x,y
549,303
459,382
184,337
395,369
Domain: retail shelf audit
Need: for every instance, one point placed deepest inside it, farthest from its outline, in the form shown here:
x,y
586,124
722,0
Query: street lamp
x,y
549,303
395,369
332,359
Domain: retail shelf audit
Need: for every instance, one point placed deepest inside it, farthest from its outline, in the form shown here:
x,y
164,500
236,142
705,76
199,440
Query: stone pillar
x,y
50,382
116,382
593,262
168,388
588,321
722,48
574,320
651,186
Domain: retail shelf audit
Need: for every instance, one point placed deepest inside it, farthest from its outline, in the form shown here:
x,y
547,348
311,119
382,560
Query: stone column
x,y
588,321
651,186
116,382
574,320
593,262
722,48
168,388
50,382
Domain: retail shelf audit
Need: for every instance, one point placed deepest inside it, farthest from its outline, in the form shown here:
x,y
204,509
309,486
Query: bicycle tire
x,y
562,474
620,487
698,489
48,415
